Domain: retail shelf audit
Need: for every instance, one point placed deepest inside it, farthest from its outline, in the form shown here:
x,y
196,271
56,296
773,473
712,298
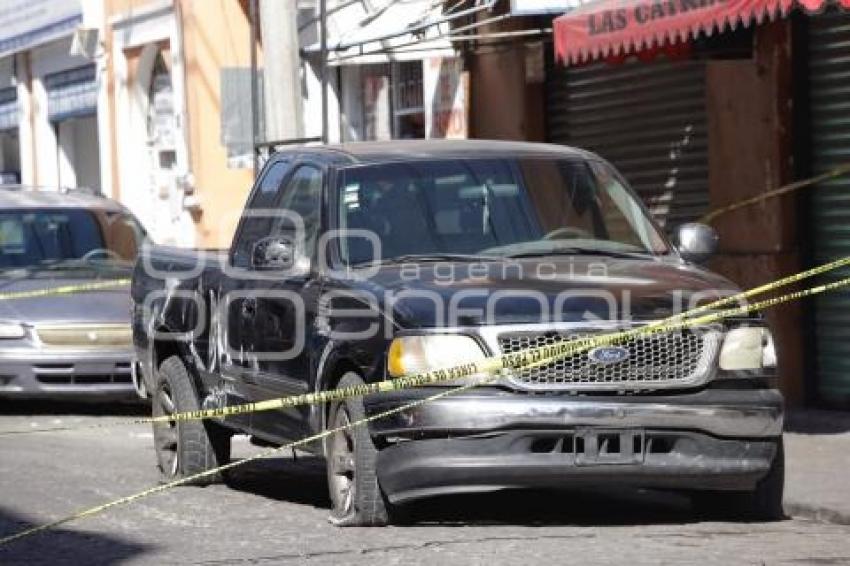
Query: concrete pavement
x,y
275,511
817,481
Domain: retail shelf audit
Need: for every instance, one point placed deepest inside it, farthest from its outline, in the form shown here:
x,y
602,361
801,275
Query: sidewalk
x,y
817,460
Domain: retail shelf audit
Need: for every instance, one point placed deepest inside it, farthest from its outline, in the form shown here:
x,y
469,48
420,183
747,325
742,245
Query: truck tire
x,y
356,496
185,448
764,503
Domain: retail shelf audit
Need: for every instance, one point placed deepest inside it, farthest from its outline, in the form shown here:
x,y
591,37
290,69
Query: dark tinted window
x,y
494,207
303,197
259,216
31,237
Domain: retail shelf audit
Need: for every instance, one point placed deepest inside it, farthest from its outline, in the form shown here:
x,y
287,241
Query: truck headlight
x,y
747,348
12,331
410,355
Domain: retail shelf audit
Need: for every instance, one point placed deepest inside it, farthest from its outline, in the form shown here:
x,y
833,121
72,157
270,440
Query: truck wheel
x,y
185,448
764,503
356,497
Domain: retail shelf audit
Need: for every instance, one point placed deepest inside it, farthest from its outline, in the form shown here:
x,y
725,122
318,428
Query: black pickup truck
x,y
361,262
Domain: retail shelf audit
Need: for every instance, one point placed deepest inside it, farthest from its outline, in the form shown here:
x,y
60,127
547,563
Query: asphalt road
x,y
275,512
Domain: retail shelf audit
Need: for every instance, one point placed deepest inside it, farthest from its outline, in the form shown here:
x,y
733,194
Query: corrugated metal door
x,y
829,80
648,119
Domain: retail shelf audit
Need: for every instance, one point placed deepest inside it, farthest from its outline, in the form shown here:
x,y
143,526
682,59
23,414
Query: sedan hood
x,y
567,289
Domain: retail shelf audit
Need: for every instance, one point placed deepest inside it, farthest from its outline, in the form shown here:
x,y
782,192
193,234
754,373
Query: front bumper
x,y
492,439
31,373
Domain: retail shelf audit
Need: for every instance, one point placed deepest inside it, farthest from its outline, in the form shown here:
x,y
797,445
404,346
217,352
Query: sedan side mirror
x,y
274,253
696,242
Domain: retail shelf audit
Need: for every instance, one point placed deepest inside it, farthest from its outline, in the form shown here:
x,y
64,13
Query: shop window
x,y
10,156
10,167
408,108
391,97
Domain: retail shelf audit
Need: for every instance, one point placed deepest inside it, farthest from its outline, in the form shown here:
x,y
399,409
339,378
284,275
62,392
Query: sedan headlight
x,y
12,331
410,355
747,348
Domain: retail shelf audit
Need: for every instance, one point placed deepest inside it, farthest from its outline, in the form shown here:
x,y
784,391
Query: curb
x,y
816,513
817,421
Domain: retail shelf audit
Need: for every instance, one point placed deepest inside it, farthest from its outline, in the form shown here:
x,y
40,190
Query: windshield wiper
x,y
582,251
426,258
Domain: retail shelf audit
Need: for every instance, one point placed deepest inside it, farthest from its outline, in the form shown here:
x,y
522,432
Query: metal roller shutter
x,y
71,93
829,80
648,119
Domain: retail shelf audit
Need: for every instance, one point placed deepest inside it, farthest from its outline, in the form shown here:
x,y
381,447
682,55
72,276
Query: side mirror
x,y
696,242
274,253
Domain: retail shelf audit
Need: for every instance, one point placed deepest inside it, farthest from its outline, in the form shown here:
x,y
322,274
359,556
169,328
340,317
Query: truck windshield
x,y
67,238
490,207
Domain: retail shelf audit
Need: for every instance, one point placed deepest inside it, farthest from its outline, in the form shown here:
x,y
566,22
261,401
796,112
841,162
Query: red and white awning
x,y
603,28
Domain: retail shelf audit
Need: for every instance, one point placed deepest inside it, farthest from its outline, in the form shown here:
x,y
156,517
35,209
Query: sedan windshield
x,y
491,208
67,238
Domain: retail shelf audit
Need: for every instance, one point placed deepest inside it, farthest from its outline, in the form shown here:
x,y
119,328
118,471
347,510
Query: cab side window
x,y
302,196
259,214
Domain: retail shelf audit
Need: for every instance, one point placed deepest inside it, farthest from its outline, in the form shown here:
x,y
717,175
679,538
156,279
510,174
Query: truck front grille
x,y
683,358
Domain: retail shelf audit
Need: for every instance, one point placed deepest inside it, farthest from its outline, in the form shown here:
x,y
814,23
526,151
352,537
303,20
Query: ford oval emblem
x,y
608,354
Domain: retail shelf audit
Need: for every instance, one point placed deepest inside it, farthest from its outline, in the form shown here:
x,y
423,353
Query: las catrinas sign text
x,y
643,13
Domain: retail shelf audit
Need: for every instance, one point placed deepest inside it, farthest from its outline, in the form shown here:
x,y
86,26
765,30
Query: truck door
x,y
235,329
276,314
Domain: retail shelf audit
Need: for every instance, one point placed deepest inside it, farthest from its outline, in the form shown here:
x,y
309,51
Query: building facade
x,y
150,101
394,72
697,117
709,115
52,116
168,67
178,93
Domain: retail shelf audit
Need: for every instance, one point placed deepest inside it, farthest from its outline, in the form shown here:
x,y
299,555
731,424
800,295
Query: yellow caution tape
x,y
64,290
264,454
493,366
532,357
791,187
448,374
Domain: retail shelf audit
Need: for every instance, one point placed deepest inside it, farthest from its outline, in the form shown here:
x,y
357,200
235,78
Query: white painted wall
x,y
159,208
312,100
25,112
65,158
54,164
79,155
351,114
93,18
311,85
87,158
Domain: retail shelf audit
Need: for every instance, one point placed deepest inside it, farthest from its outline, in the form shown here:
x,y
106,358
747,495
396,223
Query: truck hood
x,y
567,289
110,305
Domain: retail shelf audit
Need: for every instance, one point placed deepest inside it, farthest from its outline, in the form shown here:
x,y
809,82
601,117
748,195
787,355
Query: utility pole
x,y
323,23
281,71
255,95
